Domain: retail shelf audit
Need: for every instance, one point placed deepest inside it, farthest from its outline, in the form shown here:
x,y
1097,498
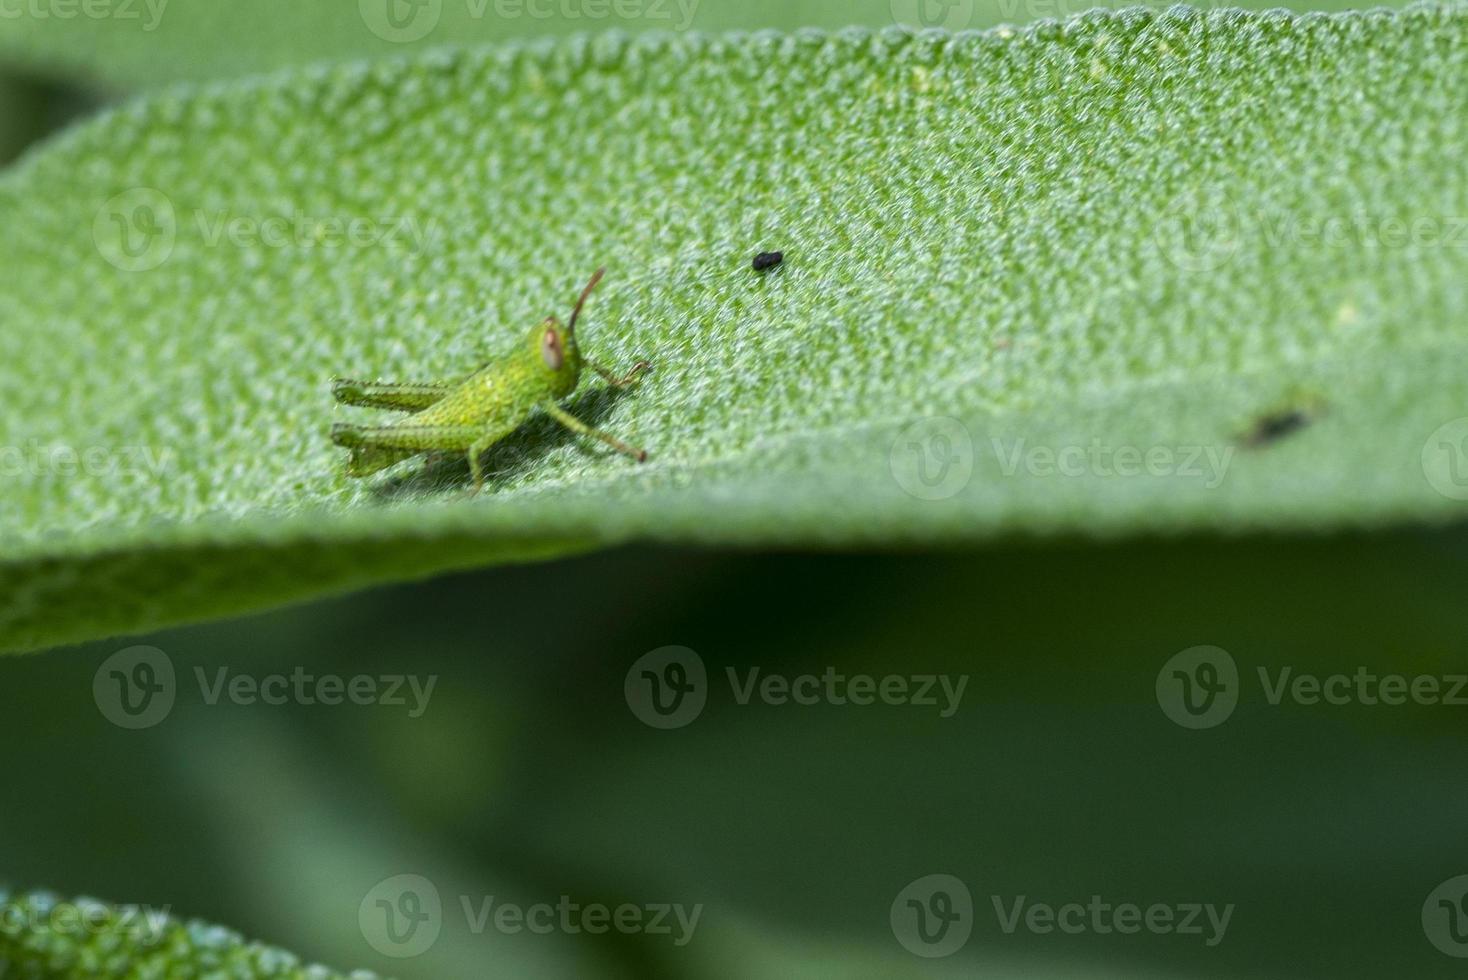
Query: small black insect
x,y
1272,428
768,260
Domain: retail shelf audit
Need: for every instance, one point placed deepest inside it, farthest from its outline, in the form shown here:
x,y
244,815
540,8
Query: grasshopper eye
x,y
550,350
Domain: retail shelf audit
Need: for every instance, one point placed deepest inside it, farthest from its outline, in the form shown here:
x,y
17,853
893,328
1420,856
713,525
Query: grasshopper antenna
x,y
595,278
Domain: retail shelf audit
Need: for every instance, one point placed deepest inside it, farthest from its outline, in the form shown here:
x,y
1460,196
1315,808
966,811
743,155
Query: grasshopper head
x,y
555,347
556,356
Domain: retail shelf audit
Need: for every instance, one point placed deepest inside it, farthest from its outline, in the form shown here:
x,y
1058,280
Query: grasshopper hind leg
x,y
366,458
410,396
366,461
375,448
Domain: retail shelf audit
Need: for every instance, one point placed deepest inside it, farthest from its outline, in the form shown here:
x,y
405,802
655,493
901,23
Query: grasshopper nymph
x,y
471,415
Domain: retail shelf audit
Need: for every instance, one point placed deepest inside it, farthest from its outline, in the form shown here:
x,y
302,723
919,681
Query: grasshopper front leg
x,y
571,422
485,439
631,378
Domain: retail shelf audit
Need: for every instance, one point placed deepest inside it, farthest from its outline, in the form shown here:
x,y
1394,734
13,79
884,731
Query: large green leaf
x,y
1134,272
145,42
48,938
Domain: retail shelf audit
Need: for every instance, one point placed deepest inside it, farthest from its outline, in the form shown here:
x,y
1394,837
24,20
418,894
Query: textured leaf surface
x,y
145,42
1135,272
47,938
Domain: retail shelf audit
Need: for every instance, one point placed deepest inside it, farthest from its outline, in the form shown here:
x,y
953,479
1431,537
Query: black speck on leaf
x,y
768,260
1275,426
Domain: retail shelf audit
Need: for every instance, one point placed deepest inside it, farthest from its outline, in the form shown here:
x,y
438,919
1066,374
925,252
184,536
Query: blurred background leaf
x,y
529,777
31,108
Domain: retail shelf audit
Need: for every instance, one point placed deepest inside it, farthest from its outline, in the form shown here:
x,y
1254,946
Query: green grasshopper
x,y
471,415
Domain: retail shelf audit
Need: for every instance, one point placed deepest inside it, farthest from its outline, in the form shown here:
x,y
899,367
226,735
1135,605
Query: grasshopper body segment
x,y
473,414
